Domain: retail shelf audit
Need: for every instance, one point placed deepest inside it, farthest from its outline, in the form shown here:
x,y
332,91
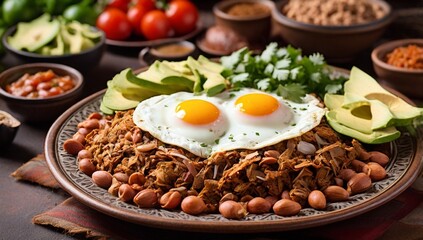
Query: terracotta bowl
x,y
255,29
83,61
337,43
407,81
171,51
40,109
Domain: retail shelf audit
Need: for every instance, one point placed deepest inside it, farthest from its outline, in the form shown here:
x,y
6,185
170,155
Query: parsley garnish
x,y
284,71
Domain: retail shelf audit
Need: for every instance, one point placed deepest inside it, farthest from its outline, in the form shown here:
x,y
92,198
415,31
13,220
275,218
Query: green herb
x,y
284,71
203,145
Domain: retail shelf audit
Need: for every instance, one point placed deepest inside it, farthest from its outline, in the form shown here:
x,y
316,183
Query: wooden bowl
x,y
40,109
337,43
407,81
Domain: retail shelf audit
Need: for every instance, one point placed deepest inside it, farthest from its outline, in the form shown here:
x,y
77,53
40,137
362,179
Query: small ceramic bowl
x,y
407,81
8,128
171,51
338,43
40,109
255,28
83,61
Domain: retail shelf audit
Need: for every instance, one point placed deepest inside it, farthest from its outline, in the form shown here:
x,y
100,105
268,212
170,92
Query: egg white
x,y
233,129
157,116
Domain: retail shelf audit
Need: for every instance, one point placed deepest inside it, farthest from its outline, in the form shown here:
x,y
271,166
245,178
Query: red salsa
x,y
40,85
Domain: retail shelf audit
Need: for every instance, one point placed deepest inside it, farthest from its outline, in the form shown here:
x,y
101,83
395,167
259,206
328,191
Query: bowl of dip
x,y
172,51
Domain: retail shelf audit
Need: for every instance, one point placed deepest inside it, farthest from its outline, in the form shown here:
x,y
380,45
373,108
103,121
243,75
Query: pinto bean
x,y
95,115
317,200
258,205
193,205
379,157
126,193
232,210
86,166
102,178
170,200
84,154
286,207
146,198
72,146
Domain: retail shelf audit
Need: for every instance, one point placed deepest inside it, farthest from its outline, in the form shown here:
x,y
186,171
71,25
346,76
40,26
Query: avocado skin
x,y
375,137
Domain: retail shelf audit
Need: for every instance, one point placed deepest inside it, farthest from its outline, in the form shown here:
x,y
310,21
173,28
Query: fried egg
x,y
244,119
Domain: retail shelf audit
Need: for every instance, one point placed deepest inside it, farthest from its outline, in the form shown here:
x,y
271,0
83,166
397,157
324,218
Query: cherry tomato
x,y
120,4
115,24
156,25
183,16
135,15
146,4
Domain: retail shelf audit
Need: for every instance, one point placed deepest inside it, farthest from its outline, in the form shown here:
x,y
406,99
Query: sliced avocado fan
x,y
367,111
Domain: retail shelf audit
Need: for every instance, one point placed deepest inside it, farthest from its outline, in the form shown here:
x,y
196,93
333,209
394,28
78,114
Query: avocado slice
x,y
152,80
365,117
362,84
33,35
128,89
59,49
211,80
178,73
212,66
375,137
105,109
375,110
115,100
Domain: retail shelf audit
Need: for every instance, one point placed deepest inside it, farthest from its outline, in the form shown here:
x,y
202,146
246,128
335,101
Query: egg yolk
x,y
197,111
257,104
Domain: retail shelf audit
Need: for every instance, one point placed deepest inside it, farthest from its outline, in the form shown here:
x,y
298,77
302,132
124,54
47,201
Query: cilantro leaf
x,y
291,91
284,71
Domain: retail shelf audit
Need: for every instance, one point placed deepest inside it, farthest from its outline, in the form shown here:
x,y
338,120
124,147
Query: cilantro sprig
x,y
284,71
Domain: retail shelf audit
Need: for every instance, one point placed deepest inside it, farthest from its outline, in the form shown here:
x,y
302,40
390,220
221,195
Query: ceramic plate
x,y
406,158
136,43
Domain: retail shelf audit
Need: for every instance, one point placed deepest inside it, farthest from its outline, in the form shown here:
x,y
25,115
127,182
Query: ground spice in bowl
x,y
410,57
248,9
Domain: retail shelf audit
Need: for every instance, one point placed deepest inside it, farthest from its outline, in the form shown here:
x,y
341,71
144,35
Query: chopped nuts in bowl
x,y
340,30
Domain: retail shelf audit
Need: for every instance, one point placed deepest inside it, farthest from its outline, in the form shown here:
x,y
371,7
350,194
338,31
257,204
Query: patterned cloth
x,y
401,218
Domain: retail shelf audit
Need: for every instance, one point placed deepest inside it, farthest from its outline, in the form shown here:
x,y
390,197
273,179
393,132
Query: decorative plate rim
x,y
159,218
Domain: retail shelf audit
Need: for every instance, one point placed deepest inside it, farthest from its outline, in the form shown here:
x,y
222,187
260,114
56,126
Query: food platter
x,y
406,155
137,43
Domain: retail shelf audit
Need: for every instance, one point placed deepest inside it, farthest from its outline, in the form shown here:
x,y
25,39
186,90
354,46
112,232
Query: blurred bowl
x,y
407,81
338,43
83,61
255,28
40,109
171,51
8,128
